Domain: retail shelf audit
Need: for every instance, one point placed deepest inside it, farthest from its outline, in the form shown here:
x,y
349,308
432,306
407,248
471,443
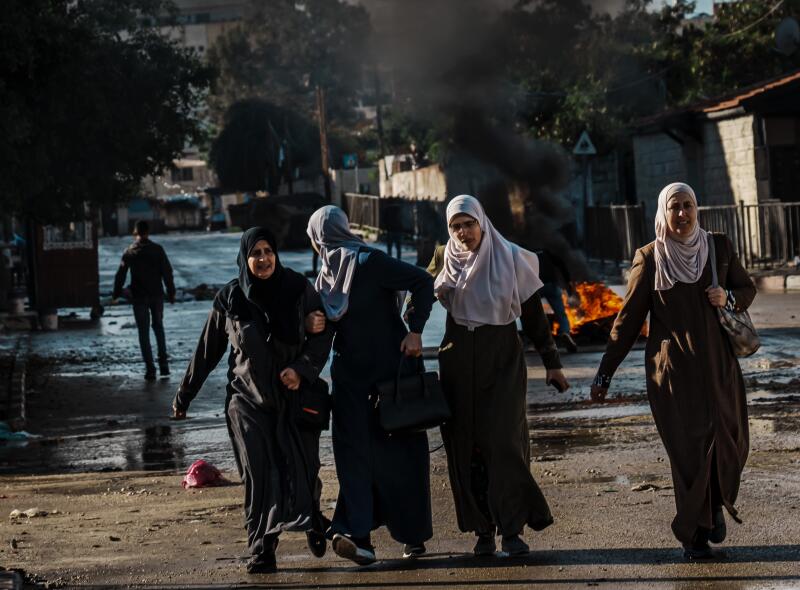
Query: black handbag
x,y
313,407
411,403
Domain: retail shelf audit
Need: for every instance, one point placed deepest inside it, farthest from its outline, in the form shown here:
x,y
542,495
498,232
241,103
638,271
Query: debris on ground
x,y
29,513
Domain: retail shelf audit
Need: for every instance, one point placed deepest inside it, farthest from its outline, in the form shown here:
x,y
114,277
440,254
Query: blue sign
x,y
350,161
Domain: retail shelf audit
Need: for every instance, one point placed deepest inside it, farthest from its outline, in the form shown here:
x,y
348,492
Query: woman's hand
x,y
290,379
178,414
717,296
598,393
411,344
557,376
315,322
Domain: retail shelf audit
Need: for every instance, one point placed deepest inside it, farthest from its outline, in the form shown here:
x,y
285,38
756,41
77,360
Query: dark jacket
x,y
552,269
149,267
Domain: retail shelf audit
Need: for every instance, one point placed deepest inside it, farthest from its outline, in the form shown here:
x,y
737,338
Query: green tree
x,y
94,100
734,50
260,144
284,49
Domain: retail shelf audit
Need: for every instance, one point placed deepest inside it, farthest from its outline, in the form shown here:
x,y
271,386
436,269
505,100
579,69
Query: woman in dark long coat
x,y
265,317
694,382
486,283
383,480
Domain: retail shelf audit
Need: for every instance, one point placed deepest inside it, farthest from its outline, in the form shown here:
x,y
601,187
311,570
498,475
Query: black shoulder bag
x,y
411,403
313,407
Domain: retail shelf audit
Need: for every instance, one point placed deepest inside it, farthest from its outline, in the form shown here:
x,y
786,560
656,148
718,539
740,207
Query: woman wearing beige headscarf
x,y
694,382
486,282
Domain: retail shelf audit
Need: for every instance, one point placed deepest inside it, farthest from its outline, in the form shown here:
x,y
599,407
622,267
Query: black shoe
x,y
567,342
720,530
361,553
485,545
413,551
263,563
317,543
514,546
150,374
163,369
697,551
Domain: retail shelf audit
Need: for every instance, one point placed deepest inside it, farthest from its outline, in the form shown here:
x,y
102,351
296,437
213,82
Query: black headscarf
x,y
278,294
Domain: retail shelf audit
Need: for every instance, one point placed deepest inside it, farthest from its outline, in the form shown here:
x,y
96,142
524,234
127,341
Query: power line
x,y
754,23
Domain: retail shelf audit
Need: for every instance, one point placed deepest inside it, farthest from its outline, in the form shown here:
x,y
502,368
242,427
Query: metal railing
x,y
614,232
765,235
413,218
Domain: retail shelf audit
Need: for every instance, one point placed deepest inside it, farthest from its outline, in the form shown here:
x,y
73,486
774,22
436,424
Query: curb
x,y
17,416
10,580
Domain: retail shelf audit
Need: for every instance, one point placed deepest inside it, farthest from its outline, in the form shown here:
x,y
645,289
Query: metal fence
x,y
614,232
765,235
414,219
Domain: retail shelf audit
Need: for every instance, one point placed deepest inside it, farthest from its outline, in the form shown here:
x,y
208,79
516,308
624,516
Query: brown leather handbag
x,y
736,324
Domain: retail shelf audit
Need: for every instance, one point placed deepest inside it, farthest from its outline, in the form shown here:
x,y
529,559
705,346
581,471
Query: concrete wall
x,y
729,167
424,183
658,161
353,180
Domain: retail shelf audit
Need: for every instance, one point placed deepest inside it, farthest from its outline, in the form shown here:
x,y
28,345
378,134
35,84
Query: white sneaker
x,y
346,547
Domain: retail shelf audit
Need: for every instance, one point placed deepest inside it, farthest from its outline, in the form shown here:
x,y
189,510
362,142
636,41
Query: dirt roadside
x,y
141,529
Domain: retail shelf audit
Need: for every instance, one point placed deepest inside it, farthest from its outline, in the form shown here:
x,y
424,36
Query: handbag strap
x,y
712,253
400,372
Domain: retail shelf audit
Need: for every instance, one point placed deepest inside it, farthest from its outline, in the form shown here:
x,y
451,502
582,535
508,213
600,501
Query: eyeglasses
x,y
456,227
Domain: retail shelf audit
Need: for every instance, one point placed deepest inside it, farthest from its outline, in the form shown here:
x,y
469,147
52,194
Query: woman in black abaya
x,y
269,319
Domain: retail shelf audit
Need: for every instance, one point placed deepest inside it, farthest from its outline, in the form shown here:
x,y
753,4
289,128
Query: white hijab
x,y
678,260
338,247
487,286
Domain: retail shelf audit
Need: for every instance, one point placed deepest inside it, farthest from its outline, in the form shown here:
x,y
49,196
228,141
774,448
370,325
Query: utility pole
x,y
323,141
288,155
379,122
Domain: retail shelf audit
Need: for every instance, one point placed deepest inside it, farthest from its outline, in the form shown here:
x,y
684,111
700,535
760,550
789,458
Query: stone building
x,y
740,148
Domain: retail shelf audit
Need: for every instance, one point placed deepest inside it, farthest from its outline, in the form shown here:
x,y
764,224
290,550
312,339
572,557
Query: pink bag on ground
x,y
202,474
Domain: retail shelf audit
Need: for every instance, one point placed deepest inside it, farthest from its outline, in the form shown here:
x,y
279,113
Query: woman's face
x,y
681,215
466,230
261,260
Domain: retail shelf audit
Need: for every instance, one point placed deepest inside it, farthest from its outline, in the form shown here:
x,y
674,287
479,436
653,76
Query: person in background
x,y
391,220
555,275
694,382
150,273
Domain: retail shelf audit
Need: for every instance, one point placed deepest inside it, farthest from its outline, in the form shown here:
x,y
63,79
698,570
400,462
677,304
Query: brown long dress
x,y
484,378
694,383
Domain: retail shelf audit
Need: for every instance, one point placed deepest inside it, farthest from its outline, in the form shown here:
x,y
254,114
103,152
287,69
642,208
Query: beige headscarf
x,y
678,260
487,286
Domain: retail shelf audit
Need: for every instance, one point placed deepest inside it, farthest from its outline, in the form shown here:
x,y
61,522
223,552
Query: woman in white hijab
x,y
694,382
382,479
486,283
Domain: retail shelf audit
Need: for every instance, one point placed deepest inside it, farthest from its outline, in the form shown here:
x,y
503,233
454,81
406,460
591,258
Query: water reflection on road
x,y
134,431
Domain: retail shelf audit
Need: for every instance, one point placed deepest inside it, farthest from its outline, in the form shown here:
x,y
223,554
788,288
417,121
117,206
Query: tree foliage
x,y
94,99
260,144
284,49
550,69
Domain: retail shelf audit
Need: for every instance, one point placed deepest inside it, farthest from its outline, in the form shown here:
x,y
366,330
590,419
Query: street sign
x,y
584,147
350,161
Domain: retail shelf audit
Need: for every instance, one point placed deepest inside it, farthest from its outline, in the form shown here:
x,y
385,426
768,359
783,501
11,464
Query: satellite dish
x,y
787,36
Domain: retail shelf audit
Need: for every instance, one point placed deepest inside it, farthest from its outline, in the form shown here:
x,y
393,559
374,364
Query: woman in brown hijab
x,y
694,383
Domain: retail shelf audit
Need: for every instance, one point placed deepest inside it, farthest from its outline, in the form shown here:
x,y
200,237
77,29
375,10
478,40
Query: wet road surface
x,y
129,428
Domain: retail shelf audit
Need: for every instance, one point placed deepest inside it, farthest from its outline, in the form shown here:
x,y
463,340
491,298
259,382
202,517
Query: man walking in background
x,y
149,267
554,273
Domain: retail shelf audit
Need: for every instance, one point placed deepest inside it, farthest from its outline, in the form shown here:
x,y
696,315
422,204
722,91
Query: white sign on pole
x,y
584,147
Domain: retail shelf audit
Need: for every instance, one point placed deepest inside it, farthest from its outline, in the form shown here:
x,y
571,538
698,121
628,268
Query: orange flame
x,y
596,301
